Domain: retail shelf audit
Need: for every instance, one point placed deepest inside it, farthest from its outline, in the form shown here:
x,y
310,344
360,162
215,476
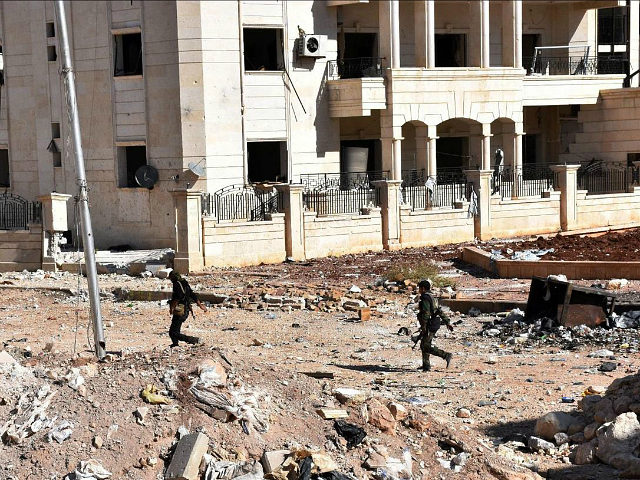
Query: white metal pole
x,y
68,79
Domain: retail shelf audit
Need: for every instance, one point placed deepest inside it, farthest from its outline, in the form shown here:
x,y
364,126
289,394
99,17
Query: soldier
x,y
430,316
179,308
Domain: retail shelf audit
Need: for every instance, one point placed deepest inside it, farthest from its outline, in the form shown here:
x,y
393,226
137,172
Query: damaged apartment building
x,y
245,131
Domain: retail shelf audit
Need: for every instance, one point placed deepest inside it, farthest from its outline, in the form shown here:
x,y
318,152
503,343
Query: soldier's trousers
x,y
176,326
428,348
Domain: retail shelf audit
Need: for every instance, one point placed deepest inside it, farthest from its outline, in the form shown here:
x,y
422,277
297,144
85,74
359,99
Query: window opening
x,y
452,152
267,161
451,50
129,160
51,29
4,168
55,130
52,55
263,49
57,159
127,54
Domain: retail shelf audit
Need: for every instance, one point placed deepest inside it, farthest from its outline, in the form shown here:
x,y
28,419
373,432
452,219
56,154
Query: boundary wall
x,y
21,249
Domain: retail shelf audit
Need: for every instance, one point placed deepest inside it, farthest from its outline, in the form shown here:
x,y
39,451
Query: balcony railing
x,y
241,202
599,177
448,187
334,201
575,65
343,180
529,181
361,67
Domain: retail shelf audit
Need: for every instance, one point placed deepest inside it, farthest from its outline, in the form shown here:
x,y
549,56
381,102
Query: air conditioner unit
x,y
312,46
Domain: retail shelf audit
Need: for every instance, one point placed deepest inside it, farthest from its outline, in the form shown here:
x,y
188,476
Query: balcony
x,y
356,86
571,79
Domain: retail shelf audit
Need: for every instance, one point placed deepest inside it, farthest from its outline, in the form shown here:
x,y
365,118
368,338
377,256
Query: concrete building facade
x,y
230,92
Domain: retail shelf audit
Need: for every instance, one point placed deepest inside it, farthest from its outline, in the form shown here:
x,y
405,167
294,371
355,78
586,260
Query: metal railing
x,y
599,177
241,202
528,181
334,201
360,67
343,180
575,65
16,213
448,187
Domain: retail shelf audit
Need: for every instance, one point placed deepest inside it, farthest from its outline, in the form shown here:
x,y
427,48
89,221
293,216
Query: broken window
x,y
4,168
51,29
129,160
263,49
267,161
127,54
52,55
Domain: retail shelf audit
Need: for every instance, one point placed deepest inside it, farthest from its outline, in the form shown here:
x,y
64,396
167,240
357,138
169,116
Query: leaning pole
x,y
66,72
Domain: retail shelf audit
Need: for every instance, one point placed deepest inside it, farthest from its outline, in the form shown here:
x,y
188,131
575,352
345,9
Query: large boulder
x,y
586,453
618,441
552,423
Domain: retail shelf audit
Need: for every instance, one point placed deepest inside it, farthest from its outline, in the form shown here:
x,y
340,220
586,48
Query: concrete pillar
x,y
517,160
425,50
189,255
54,222
395,33
384,33
390,201
634,40
486,146
517,40
567,182
432,163
484,17
293,220
396,172
481,180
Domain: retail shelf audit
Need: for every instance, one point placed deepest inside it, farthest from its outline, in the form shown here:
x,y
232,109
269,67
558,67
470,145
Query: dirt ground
x,y
506,387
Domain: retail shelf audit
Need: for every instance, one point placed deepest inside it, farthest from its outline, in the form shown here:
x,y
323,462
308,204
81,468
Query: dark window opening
x,y
267,161
451,50
4,168
128,54
51,29
632,157
55,130
529,43
57,159
263,49
529,149
360,45
130,159
52,55
612,26
452,152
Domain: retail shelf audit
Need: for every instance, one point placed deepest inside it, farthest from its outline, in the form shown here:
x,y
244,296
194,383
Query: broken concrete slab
x,y
271,461
185,463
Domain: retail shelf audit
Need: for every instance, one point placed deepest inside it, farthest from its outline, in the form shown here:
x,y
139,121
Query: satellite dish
x,y
197,168
146,176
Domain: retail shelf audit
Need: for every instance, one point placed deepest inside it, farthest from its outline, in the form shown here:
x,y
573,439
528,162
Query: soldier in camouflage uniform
x,y
430,317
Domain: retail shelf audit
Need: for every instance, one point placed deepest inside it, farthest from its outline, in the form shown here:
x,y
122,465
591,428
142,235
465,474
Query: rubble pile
x,y
605,428
512,329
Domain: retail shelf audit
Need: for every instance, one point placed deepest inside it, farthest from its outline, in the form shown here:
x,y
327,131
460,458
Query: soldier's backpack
x,y
435,320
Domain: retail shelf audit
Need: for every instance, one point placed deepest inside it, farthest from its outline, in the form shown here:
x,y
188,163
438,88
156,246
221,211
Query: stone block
x,y
185,463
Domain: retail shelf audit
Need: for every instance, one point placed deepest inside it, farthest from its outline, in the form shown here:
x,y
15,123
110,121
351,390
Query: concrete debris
x,y
29,416
603,353
60,432
617,283
380,416
89,470
212,374
230,470
140,413
185,462
355,289
350,396
74,378
7,359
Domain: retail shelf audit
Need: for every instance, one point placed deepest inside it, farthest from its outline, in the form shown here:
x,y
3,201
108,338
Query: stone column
x,y
481,180
484,17
293,220
395,33
486,146
396,172
390,200
54,222
432,165
517,160
517,40
424,15
567,181
512,33
189,255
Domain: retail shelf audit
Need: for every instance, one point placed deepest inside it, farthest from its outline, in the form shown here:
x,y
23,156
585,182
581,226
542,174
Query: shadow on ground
x,y
583,472
375,368
510,429
473,270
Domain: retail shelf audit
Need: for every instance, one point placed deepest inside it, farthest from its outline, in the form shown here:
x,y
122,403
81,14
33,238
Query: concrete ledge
x,y
574,270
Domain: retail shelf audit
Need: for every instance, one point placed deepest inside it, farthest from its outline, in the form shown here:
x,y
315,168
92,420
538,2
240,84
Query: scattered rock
x,y
463,413
538,444
97,442
604,353
618,441
586,453
380,416
398,411
561,438
607,366
552,423
350,396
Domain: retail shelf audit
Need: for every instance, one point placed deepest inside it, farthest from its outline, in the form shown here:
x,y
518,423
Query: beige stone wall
x,y
243,243
613,210
434,227
341,234
524,216
21,250
610,129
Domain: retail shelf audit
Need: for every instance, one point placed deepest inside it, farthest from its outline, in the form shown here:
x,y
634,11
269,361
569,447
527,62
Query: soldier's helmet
x,y
426,284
